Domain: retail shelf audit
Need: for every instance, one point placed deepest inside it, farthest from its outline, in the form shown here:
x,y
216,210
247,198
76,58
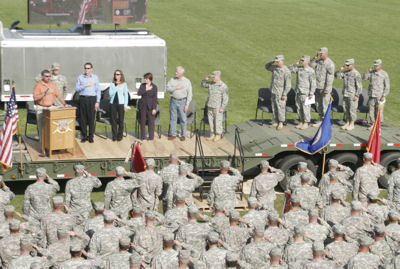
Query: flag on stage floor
x,y
321,138
138,163
374,142
8,129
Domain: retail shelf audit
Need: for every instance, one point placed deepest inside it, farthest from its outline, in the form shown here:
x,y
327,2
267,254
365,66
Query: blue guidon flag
x,y
321,138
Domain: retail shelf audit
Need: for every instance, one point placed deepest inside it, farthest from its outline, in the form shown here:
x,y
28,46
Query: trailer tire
x,y
289,167
388,160
347,158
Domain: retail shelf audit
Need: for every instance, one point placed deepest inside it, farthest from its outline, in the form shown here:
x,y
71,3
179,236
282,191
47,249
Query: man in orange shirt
x,y
44,95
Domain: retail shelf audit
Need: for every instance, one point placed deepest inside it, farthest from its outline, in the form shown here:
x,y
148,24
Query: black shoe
x,y
119,139
91,140
114,139
83,140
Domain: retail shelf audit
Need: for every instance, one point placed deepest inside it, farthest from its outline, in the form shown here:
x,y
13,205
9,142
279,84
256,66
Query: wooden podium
x,y
58,129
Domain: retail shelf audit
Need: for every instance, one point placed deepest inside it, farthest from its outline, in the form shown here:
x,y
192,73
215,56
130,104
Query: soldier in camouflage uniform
x,y
324,73
342,172
296,216
137,219
168,174
60,250
235,237
178,214
276,262
317,230
277,235
393,191
121,259
339,250
168,257
219,222
217,101
37,195
298,252
150,187
305,88
319,261
78,191
336,184
381,247
376,212
223,187
253,216
6,195
97,222
117,196
76,259
263,185
379,88
393,226
57,218
309,195
357,225
281,82
295,181
366,178
9,212
214,257
135,261
26,259
364,259
352,88
336,211
10,245
254,252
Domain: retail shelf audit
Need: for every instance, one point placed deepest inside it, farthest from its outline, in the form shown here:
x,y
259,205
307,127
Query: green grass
x,y
239,37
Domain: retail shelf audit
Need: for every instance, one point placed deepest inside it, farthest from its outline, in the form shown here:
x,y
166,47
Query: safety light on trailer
x,y
261,154
287,145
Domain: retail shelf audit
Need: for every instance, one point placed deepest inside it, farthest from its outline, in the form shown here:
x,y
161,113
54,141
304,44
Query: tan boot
x,y
217,137
351,126
298,126
274,125
317,124
280,126
344,127
211,138
305,126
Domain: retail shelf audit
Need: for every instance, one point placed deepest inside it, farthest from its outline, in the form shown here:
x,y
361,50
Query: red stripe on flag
x,y
374,141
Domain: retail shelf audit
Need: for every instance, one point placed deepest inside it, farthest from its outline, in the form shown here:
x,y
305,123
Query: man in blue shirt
x,y
87,85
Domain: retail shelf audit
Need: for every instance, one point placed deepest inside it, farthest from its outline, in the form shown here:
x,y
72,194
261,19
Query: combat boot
x,y
217,137
211,138
298,126
280,126
273,125
351,126
304,126
344,127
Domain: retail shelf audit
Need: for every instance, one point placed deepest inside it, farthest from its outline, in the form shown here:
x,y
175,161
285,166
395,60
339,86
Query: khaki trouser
x,y
39,118
303,110
373,104
350,108
215,119
278,108
322,101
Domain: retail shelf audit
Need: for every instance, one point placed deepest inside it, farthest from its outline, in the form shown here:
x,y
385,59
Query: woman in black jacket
x,y
147,105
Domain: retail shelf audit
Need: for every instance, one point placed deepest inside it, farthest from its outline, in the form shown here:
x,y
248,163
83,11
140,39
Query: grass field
x,y
239,37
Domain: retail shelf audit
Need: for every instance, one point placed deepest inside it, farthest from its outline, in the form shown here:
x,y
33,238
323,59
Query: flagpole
x,y
20,150
323,162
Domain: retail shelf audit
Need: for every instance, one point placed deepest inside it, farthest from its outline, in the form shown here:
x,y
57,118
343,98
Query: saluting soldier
x,y
352,88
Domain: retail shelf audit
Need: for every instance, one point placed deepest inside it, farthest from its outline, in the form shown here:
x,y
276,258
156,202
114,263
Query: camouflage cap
x,y
295,199
150,214
356,205
394,215
137,208
75,246
41,172
302,165
9,209
337,195
180,196
58,200
219,206
377,62
14,224
259,229
174,155
323,50
55,66
150,163
333,162
216,73
349,61
313,212
124,241
264,164
273,216
168,237
299,229
26,241
184,254
305,58
232,256
120,170
98,206
368,155
379,229
365,241
109,215
213,237
373,196
135,259
305,177
339,229
79,168
193,209
233,214
183,167
62,230
275,252
252,201
225,164
279,58
318,246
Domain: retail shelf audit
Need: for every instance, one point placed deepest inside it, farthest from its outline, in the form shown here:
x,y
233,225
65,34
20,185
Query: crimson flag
x,y
286,203
138,164
374,142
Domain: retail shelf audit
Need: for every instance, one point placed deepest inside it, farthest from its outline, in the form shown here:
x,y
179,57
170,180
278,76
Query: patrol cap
x,y
184,254
120,171
337,195
295,199
349,61
150,162
373,196
279,58
98,206
124,241
333,163
252,201
299,229
275,252
26,241
135,259
356,205
323,50
368,155
193,209
377,62
318,246
168,237
55,66
302,165
179,196
75,246
79,168
137,208
41,172
213,237
313,212
305,177
394,215
9,209
305,58
273,216
62,230
150,214
259,229
233,214
225,164
109,215
216,73
219,206
14,224
379,229
174,155
183,167
365,241
338,229
232,256
264,164
58,200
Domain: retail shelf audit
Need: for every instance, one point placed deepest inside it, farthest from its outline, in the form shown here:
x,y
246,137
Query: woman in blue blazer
x,y
118,104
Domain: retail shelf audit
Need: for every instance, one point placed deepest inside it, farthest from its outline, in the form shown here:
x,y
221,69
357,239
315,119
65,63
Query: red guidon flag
x,y
374,142
286,203
138,164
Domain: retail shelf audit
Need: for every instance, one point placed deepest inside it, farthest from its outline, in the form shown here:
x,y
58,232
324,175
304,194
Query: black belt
x,y
86,96
179,99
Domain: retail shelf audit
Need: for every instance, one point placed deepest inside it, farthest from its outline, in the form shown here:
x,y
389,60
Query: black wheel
x,y
289,166
346,158
388,160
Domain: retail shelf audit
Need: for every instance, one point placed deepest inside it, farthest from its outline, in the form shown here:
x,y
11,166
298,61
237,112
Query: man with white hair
x,y
180,89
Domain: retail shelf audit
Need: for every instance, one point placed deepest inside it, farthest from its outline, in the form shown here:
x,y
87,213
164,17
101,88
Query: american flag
x,y
82,11
9,128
